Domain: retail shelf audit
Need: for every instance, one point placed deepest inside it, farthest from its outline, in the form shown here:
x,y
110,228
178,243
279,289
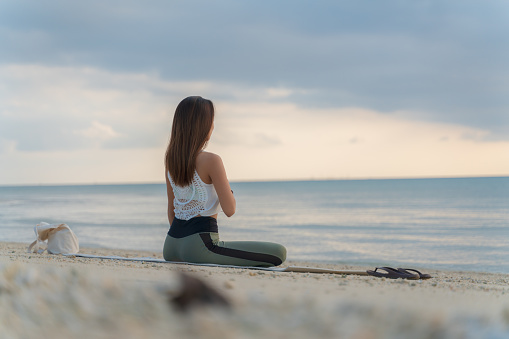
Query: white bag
x,y
60,239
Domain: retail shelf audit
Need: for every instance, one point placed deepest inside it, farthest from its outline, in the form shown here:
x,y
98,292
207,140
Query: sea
x,y
439,223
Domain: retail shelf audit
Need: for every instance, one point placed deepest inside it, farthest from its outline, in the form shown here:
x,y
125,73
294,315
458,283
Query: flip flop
x,y
392,273
423,276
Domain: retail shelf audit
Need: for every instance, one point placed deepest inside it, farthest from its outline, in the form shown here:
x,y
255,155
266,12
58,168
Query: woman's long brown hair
x,y
191,126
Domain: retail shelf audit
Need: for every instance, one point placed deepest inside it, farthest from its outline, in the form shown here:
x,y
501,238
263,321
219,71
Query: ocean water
x,y
451,224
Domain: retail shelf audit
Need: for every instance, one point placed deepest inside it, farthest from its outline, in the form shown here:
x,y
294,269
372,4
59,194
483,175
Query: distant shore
x,y
124,298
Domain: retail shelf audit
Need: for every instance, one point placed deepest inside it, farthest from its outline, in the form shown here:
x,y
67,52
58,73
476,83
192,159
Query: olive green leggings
x,y
207,248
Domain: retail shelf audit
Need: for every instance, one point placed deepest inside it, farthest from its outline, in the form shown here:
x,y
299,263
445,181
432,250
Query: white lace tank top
x,y
198,198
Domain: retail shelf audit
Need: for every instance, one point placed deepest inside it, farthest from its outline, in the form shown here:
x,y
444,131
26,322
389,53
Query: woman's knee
x,y
281,252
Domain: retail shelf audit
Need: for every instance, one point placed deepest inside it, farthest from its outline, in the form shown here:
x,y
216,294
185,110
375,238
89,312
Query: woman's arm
x,y
217,174
169,193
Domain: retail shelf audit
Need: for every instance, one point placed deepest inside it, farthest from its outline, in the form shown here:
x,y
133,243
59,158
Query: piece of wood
x,y
321,270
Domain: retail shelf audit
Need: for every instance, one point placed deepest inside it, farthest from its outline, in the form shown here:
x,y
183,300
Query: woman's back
x,y
195,199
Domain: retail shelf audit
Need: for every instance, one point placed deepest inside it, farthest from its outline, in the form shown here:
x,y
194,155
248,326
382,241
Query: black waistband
x,y
183,228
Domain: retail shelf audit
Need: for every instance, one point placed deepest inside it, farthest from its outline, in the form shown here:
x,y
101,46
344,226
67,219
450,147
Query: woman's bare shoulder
x,y
207,164
208,158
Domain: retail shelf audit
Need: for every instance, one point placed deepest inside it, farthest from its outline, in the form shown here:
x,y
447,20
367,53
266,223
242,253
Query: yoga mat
x,y
297,269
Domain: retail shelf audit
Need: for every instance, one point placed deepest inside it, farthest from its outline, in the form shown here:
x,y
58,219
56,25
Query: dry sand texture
x,y
51,296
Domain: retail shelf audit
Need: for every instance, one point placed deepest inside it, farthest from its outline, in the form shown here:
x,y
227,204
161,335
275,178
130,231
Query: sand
x,y
53,296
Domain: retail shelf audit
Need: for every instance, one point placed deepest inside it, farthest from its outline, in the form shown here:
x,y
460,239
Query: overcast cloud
x,y
107,75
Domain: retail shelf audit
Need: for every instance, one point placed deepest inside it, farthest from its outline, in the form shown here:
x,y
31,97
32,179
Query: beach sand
x,y
43,295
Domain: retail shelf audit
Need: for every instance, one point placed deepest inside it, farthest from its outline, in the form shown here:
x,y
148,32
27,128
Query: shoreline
x,y
264,302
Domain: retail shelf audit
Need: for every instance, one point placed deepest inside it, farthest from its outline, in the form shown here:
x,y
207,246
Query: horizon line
x,y
257,181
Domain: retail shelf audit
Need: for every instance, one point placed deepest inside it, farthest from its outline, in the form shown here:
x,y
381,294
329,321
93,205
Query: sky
x,y
303,90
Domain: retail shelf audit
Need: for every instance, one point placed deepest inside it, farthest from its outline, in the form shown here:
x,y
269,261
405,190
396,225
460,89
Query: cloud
x,y
90,121
7,146
445,62
98,131
279,92
64,108
56,108
351,143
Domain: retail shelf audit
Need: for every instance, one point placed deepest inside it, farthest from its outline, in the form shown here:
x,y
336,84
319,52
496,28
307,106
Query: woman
x,y
198,189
